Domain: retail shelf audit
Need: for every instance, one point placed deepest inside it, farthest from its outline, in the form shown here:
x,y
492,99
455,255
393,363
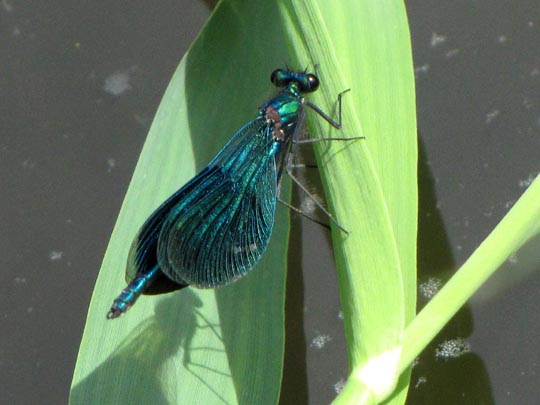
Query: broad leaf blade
x,y
371,184
194,346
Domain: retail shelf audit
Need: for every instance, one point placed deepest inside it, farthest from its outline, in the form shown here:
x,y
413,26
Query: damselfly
x,y
215,228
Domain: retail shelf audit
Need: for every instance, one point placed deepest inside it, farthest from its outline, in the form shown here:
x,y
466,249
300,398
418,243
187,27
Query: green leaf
x,y
517,228
371,185
194,346
226,345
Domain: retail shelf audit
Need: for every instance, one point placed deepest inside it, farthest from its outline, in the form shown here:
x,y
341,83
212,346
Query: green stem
x,y
518,226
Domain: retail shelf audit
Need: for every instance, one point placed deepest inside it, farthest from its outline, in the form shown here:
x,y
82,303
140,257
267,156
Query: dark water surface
x,y
80,84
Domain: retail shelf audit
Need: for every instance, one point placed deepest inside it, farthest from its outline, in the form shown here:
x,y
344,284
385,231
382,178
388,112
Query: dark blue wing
x,y
142,256
220,231
215,228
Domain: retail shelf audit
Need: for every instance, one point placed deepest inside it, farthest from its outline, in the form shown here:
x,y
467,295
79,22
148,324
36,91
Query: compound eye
x,y
279,78
313,82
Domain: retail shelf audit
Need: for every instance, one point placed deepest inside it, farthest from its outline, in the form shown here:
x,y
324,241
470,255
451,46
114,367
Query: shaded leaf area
x,y
192,346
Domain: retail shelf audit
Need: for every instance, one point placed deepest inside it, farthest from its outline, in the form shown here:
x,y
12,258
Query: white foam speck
x,y
117,83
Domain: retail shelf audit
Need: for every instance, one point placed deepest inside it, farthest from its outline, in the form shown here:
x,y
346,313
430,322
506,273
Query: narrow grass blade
x,y
520,224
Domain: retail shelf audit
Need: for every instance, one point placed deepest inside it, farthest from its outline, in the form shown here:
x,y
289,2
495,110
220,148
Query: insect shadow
x,y
146,357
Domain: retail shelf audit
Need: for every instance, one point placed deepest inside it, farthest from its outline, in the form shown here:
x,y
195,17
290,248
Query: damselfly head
x,y
307,82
